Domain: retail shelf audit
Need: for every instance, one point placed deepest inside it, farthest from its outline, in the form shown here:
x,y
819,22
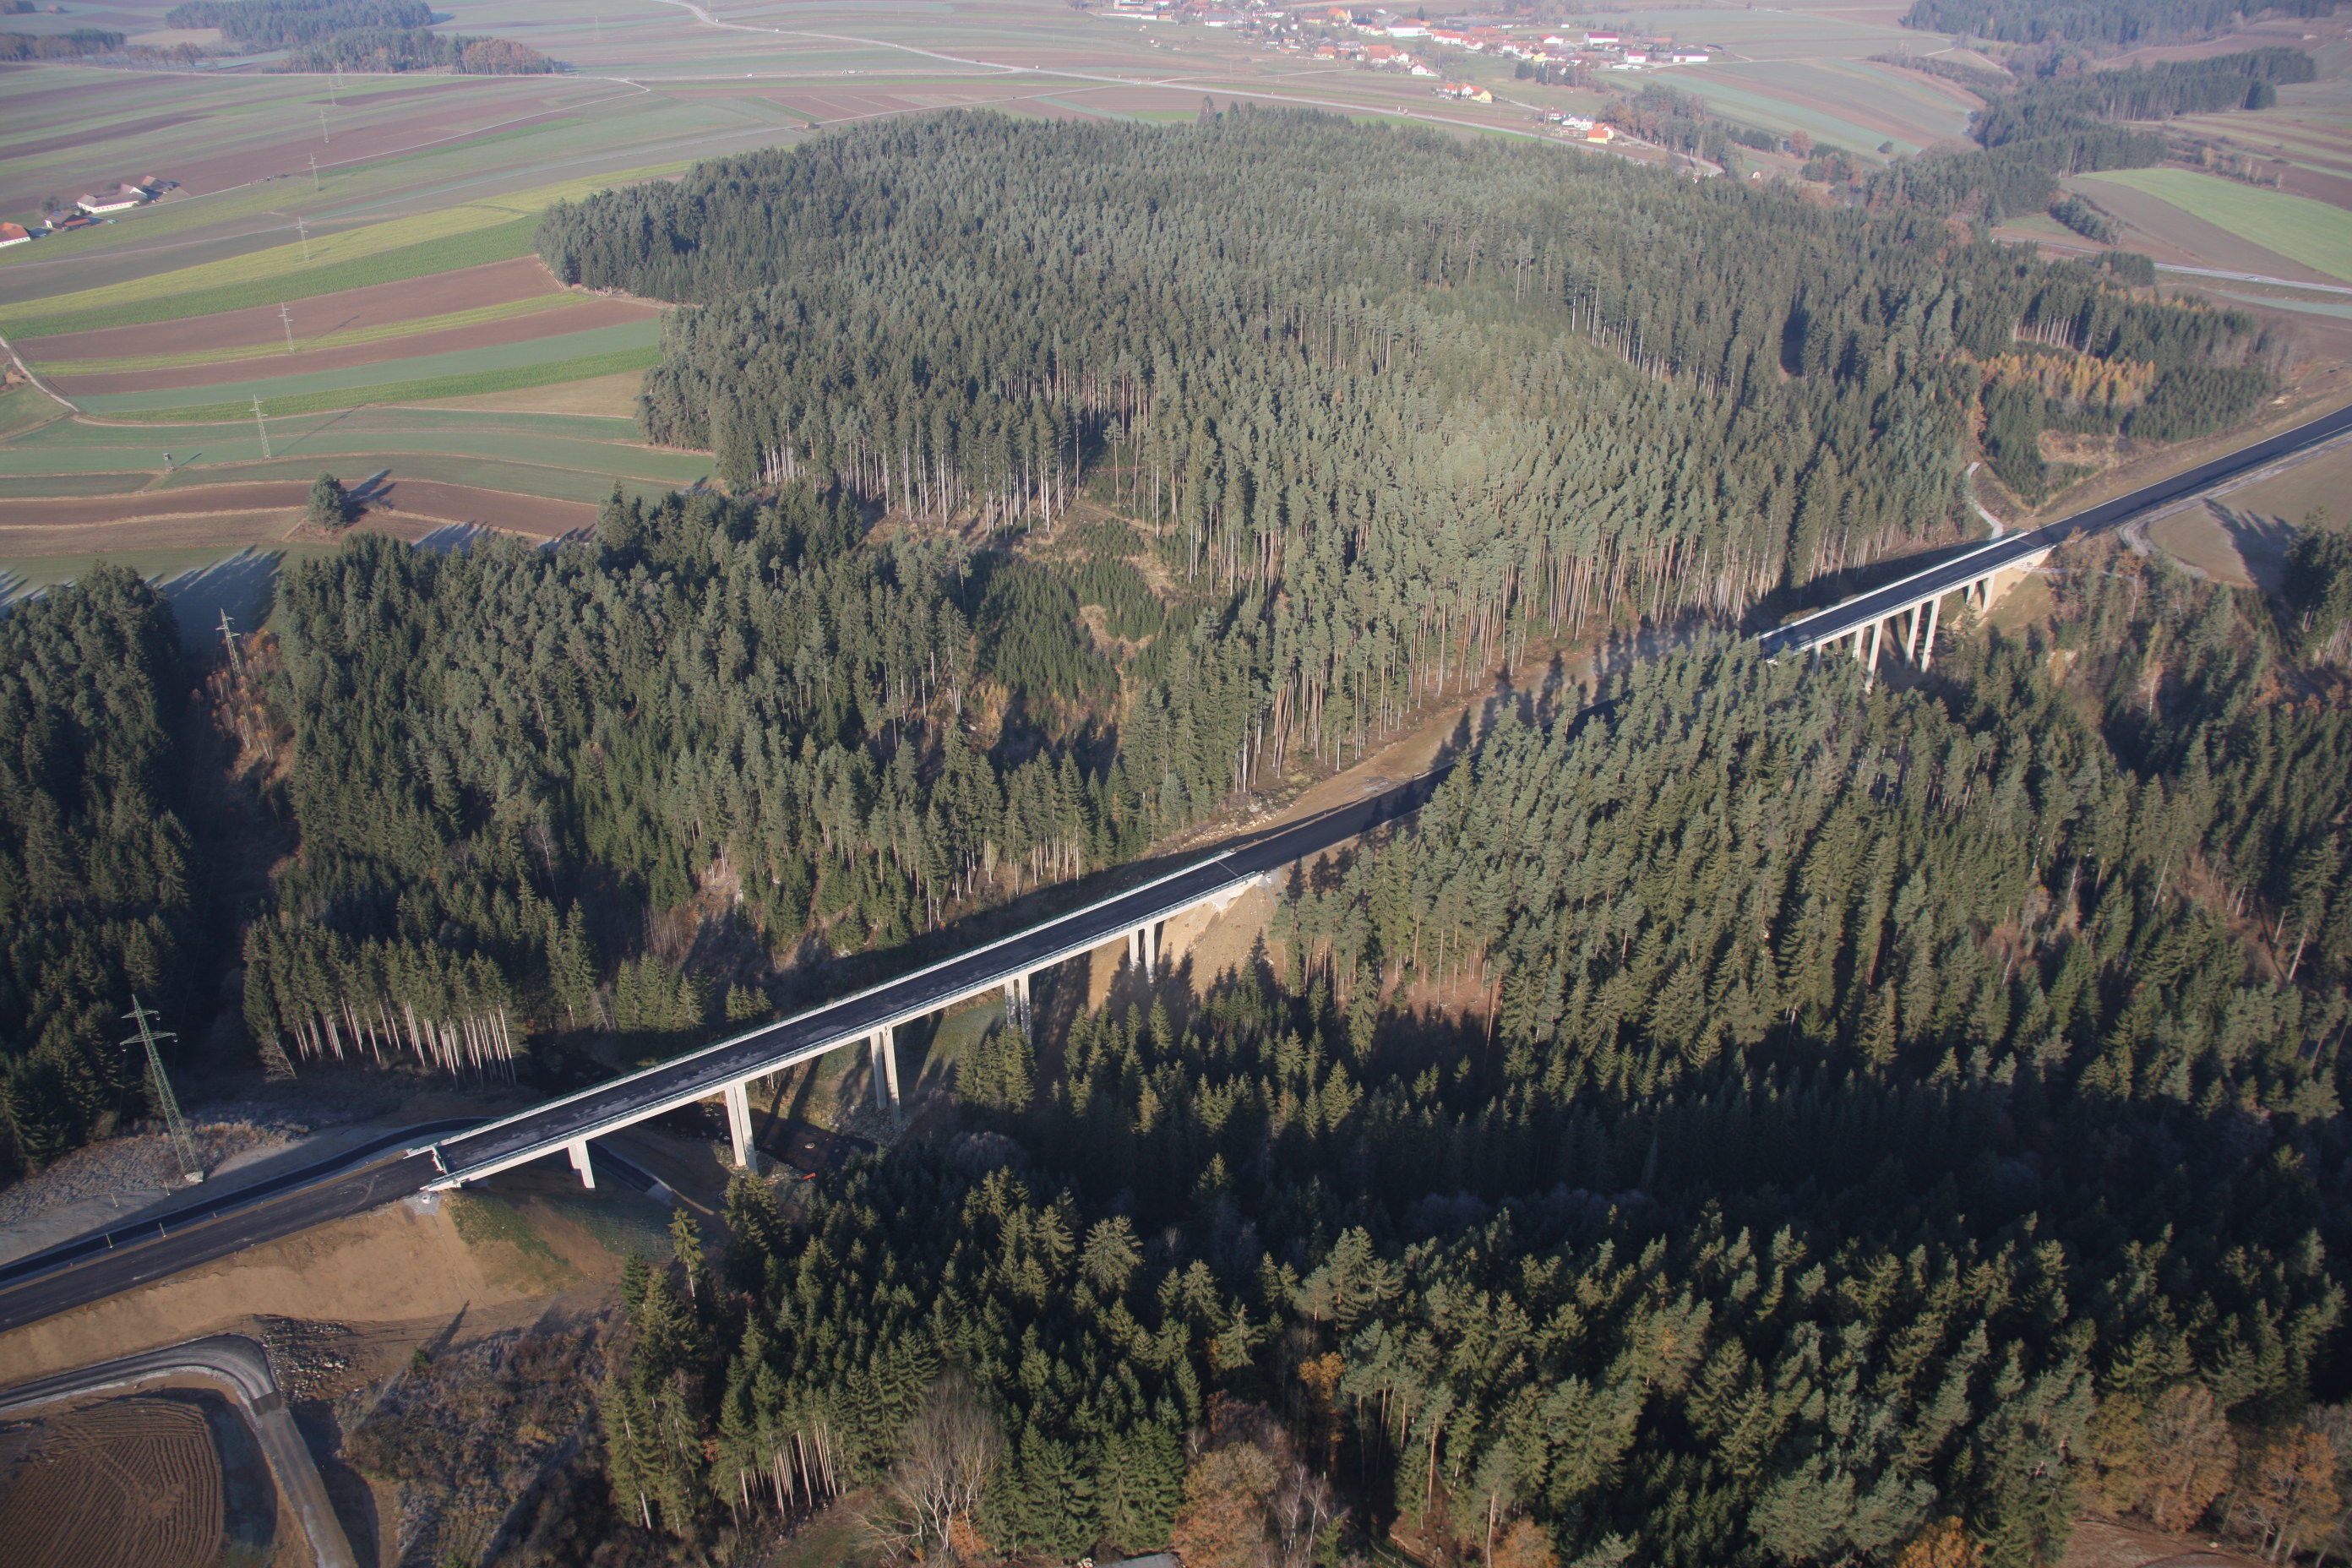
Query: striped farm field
x,y
347,316
501,242
567,357
355,338
199,289
577,319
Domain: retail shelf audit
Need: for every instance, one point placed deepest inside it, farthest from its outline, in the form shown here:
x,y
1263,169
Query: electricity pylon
x,y
183,1144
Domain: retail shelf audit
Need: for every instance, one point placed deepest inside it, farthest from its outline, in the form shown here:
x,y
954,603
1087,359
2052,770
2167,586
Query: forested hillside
x,y
1408,401
1910,1118
97,865
505,759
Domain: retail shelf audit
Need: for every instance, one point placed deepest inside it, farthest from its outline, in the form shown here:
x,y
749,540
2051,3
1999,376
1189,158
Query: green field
x,y
2313,233
573,457
630,345
384,332
112,484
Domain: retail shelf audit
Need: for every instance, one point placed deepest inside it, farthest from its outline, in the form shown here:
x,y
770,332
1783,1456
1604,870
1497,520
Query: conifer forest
x,y
1754,1116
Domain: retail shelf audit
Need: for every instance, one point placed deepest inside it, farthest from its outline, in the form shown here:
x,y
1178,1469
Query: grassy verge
x,y
404,391
509,1251
501,242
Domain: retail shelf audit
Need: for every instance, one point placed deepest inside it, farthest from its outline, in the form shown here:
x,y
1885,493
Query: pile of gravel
x,y
135,1170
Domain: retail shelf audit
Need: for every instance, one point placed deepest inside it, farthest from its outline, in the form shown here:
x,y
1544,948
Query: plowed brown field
x,y
52,511
377,305
131,1483
580,318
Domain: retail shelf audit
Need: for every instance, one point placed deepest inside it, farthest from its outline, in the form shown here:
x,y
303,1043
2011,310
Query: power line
x,y
183,1144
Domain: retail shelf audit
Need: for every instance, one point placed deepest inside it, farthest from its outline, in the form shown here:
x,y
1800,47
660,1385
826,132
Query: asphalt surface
x,y
201,1204
244,1365
1843,620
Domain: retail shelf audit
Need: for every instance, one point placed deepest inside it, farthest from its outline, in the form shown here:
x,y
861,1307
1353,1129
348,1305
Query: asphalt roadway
x,y
1843,620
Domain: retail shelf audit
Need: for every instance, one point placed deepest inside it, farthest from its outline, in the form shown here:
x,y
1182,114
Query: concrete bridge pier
x,y
580,1162
1143,948
739,1125
884,1045
1016,1005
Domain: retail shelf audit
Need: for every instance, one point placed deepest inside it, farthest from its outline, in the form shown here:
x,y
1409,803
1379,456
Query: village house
x,y
15,233
1468,91
122,197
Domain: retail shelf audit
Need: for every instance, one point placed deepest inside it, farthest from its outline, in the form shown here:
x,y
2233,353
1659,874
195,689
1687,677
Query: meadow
x,y
2313,233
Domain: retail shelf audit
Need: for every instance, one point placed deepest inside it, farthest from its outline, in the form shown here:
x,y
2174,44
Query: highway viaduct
x,y
212,1226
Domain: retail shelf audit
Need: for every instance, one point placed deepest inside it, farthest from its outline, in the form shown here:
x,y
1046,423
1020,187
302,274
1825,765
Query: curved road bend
x,y
1827,626
243,1365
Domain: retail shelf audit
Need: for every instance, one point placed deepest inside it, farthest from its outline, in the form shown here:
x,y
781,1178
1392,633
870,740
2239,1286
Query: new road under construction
x,y
451,1154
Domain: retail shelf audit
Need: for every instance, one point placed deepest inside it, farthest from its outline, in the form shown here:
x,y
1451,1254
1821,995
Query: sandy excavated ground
x,y
399,1265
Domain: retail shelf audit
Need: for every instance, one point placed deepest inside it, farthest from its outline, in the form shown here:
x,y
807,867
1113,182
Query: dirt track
x,y
377,305
577,318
